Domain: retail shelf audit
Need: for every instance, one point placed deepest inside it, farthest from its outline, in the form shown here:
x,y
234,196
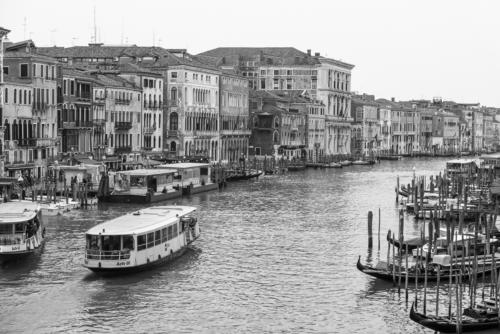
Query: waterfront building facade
x,y
152,86
365,114
117,117
325,79
384,117
29,113
3,34
233,117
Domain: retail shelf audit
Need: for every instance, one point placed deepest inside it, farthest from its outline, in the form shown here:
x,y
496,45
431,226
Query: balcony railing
x,y
26,142
123,126
77,124
149,129
122,101
123,149
145,148
91,254
172,133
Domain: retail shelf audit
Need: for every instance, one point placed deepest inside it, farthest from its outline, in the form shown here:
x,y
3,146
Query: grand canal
x,y
276,255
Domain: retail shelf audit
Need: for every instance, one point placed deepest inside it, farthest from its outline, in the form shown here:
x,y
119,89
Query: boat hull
x,y
19,255
134,269
445,325
139,199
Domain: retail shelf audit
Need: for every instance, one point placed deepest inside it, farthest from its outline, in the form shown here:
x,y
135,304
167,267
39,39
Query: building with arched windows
x,y
29,110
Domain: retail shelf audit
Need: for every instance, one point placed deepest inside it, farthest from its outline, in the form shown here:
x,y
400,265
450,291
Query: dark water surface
x,y
275,255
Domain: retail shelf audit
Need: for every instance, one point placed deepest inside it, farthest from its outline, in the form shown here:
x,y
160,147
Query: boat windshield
x,y
15,233
109,247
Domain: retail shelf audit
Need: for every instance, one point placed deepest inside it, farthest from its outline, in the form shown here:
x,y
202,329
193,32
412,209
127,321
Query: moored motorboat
x,y
334,165
21,229
345,162
140,240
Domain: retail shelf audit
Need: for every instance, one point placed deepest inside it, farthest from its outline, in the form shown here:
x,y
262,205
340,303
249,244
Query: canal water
x,y
277,254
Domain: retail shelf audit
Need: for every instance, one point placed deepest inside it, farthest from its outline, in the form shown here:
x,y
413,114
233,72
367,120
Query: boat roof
x,y
461,161
146,172
142,221
185,165
17,212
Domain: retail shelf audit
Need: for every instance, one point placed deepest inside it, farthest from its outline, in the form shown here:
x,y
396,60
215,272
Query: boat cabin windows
x,y
141,242
151,239
157,237
6,228
109,243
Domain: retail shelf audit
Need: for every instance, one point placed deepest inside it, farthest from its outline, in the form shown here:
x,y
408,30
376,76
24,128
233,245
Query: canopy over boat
x,y
16,212
141,221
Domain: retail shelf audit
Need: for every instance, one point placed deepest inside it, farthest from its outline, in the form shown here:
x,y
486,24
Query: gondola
x,y
445,325
412,243
387,275
244,175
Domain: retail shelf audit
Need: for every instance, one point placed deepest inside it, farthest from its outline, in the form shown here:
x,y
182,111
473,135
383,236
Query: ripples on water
x,y
276,255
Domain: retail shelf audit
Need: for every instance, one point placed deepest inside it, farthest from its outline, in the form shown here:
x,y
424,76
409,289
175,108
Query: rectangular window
x,y
175,231
6,70
64,86
145,84
173,75
151,239
23,71
158,237
164,235
41,71
34,71
72,87
53,70
170,232
141,242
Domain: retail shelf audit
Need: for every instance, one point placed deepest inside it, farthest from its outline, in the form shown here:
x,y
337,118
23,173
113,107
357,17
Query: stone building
x,y
286,68
278,127
117,117
151,84
233,116
29,110
365,114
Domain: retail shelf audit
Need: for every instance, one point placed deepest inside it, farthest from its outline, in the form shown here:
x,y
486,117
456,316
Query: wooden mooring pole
x,y
370,232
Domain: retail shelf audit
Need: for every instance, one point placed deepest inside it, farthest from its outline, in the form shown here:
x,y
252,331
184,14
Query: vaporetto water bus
x,y
21,229
141,239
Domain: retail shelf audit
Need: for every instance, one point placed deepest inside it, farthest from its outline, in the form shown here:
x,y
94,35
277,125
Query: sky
x,y
401,49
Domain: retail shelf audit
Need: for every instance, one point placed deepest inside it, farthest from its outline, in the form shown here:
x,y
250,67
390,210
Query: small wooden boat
x,y
412,243
334,165
447,325
345,162
384,271
246,174
363,162
294,167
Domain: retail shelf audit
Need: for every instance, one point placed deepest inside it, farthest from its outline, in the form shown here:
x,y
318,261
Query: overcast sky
x,y
402,49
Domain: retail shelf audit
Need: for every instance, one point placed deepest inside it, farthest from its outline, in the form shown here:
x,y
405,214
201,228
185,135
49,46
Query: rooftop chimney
x,y
308,52
316,54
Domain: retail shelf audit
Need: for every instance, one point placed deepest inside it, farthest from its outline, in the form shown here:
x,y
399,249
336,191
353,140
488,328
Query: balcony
x,y
172,133
77,125
123,149
84,97
122,101
26,142
172,103
149,129
147,148
123,126
99,100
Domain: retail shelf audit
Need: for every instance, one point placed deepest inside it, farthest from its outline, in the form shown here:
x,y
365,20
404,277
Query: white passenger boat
x,y
140,240
21,229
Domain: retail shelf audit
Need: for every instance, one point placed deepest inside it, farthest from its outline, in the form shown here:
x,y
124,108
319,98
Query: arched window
x,y
173,146
174,121
6,135
276,122
15,95
276,137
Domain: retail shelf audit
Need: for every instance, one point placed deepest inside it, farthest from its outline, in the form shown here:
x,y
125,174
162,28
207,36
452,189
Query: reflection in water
x,y
275,254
